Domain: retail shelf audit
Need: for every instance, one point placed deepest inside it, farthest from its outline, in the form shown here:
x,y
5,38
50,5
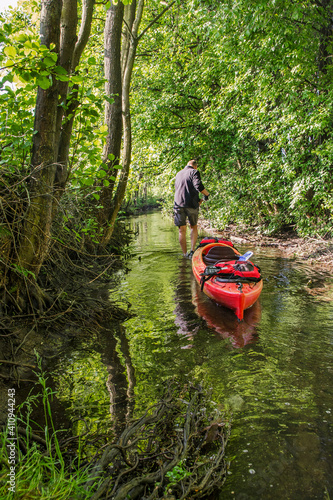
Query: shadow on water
x,y
274,370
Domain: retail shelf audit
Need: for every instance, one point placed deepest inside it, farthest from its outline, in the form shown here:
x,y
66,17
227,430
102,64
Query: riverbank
x,y
79,284
316,251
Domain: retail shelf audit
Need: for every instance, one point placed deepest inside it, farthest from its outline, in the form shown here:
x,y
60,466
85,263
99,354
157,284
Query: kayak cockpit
x,y
219,254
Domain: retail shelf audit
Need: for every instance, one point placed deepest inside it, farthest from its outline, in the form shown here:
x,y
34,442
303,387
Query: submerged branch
x,y
176,449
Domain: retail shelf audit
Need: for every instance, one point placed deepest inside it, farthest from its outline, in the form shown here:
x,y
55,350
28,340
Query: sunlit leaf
x,y
10,51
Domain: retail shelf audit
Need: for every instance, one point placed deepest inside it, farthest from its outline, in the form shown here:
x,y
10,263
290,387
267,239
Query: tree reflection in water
x,y
121,379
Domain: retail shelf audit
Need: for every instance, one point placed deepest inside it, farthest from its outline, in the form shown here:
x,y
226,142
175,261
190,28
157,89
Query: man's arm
x,y
198,185
206,194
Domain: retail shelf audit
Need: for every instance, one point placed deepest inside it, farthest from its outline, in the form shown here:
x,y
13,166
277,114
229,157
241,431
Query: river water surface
x,y
273,370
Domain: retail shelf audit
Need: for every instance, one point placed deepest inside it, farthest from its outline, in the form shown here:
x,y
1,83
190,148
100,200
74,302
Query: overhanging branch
x,y
156,19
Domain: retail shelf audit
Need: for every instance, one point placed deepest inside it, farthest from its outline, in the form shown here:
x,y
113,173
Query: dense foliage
x,y
246,88
243,86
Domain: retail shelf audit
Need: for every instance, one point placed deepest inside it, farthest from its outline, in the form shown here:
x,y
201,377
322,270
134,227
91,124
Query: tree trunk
x,y
67,43
76,50
129,52
36,231
49,158
124,60
51,142
129,16
113,113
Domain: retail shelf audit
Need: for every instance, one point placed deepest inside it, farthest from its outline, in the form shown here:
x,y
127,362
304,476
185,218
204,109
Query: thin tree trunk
x,y
129,16
133,16
68,39
35,238
113,112
129,58
72,105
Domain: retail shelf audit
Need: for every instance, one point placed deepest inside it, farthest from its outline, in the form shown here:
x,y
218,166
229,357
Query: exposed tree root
x,y
6,362
24,296
73,260
176,450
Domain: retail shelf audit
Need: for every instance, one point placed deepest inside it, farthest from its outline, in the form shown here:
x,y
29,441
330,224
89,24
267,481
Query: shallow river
x,y
274,371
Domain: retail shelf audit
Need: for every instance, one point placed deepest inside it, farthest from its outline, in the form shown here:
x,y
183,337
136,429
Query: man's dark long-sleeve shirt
x,y
188,185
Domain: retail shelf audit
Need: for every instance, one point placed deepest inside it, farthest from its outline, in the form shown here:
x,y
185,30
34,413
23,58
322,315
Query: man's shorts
x,y
180,215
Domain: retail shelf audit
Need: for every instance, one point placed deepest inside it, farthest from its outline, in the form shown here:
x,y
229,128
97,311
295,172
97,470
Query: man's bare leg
x,y
194,236
182,239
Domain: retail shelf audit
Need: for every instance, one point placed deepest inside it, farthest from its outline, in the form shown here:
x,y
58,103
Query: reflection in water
x,y
96,380
224,322
120,386
187,324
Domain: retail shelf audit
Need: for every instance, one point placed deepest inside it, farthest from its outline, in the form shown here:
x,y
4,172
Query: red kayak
x,y
224,278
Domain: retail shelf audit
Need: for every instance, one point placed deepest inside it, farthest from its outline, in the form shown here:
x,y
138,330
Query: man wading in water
x,y
188,185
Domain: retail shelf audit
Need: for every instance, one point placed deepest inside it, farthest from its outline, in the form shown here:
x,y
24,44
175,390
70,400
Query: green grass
x,y
42,472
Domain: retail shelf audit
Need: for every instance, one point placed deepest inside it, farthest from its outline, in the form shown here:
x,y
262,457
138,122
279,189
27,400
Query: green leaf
x,y
61,74
48,61
110,100
22,38
77,79
10,51
62,78
7,27
60,70
100,174
88,181
111,156
100,83
25,272
26,77
91,60
106,183
44,82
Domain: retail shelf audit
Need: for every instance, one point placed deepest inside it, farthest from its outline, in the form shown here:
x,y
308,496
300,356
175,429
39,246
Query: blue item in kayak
x,y
246,256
